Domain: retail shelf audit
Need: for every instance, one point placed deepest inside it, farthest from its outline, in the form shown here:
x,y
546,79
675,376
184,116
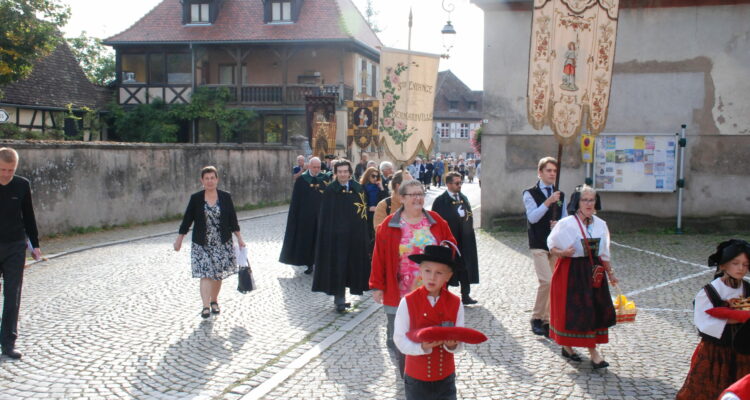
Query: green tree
x,y
96,60
370,15
29,32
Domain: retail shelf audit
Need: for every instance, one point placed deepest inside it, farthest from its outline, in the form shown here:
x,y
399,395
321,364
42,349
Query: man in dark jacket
x,y
454,207
342,250
302,220
17,223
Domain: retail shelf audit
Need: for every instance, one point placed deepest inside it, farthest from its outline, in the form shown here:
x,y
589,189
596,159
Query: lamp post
x,y
448,32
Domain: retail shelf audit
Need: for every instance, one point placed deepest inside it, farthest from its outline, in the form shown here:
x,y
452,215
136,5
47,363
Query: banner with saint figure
x,y
570,68
407,97
321,124
363,123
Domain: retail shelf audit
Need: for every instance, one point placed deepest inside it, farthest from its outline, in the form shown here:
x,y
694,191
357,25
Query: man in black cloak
x,y
455,209
341,254
302,221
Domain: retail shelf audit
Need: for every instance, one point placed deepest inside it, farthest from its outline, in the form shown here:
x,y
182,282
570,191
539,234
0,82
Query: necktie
x,y
549,191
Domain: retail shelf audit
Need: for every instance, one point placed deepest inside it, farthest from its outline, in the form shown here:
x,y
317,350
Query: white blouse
x,y
566,233
705,323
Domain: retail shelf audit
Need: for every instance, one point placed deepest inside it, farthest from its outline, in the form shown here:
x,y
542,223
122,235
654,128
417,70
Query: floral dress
x,y
414,238
215,260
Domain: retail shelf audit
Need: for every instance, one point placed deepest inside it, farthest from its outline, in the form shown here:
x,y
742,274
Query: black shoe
x,y
536,326
309,270
600,365
341,308
12,353
468,300
215,307
545,328
572,356
206,312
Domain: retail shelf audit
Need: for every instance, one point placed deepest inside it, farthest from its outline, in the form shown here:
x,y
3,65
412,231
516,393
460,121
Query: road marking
x,y
665,310
661,285
653,253
278,378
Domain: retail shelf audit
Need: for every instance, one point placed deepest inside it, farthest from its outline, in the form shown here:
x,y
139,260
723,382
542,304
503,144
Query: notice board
x,y
636,163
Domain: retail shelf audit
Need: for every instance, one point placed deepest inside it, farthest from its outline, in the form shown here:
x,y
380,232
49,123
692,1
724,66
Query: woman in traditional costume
x,y
718,361
581,309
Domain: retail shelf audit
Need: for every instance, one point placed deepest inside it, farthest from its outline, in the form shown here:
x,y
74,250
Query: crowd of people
x,y
365,228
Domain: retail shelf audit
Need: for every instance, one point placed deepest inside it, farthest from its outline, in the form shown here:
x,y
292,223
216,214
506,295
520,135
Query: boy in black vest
x,y
544,207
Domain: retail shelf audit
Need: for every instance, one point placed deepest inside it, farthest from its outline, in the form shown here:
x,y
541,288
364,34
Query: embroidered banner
x,y
321,124
363,123
570,68
407,98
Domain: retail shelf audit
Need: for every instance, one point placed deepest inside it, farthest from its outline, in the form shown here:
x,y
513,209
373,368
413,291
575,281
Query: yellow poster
x,y
407,97
640,143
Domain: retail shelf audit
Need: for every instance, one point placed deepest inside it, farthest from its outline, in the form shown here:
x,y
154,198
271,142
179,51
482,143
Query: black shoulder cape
x,y
342,249
462,229
302,221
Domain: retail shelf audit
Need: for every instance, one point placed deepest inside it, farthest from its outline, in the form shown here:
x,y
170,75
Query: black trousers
x,y
12,261
445,389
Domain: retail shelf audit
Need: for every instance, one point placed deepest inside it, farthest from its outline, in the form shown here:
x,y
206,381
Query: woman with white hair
x,y
581,308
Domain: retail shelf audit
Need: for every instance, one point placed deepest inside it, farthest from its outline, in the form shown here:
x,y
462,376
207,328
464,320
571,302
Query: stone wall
x,y
673,66
98,184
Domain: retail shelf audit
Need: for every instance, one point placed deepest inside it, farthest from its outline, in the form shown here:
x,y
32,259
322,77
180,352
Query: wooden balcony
x,y
276,95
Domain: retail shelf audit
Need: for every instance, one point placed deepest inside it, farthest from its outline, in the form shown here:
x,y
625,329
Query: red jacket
x,y
385,257
439,364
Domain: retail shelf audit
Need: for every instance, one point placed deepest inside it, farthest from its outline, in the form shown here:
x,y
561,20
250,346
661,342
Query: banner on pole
x,y
407,99
363,123
570,68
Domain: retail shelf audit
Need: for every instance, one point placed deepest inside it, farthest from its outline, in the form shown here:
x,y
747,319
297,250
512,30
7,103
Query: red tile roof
x,y
242,21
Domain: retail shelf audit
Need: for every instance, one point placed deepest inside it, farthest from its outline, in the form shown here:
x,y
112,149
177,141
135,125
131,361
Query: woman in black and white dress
x,y
212,253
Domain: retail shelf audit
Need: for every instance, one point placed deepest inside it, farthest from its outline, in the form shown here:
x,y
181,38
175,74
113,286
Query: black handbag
x,y
245,282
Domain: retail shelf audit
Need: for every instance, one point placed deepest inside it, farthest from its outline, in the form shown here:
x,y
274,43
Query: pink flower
x,y
395,79
388,98
387,122
400,125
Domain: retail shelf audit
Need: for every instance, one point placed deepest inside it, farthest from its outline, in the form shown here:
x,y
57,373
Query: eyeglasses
x,y
588,200
415,195
375,176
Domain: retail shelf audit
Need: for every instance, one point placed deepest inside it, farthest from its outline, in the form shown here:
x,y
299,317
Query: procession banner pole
x,y
557,211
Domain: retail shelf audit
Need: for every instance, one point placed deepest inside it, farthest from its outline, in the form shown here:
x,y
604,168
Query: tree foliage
x,y
96,60
29,32
370,15
158,122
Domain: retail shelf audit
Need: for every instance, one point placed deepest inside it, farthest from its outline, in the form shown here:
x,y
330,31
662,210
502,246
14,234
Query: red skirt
x,y
712,369
580,314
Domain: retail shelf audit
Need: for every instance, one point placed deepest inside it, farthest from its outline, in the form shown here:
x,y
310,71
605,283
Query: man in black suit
x,y
454,207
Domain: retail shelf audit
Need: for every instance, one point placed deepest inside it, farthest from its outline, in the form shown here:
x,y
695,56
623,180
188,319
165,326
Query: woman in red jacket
x,y
405,232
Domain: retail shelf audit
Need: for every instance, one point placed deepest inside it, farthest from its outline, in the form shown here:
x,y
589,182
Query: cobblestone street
x,y
122,321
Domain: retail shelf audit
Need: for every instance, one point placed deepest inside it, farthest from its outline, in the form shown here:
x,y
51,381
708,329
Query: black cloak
x,y
462,229
302,221
341,252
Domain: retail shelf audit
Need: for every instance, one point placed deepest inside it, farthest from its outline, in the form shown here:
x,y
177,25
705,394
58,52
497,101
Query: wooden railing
x,y
275,94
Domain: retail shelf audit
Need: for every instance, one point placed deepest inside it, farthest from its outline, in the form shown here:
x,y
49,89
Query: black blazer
x,y
195,213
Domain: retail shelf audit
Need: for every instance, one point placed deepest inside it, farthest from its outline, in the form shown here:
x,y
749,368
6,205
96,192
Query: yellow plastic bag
x,y
624,309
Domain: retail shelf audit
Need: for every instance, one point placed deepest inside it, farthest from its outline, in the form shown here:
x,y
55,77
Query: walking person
x,y
455,208
17,223
404,233
581,309
720,360
342,249
439,171
212,254
544,207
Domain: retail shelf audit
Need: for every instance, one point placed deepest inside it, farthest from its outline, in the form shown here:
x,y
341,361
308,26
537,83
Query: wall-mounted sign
x,y
3,116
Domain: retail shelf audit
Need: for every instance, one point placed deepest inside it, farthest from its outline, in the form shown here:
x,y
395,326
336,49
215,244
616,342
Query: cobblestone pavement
x,y
122,321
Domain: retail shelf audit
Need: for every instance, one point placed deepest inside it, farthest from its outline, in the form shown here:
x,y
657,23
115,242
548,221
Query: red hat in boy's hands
x,y
457,333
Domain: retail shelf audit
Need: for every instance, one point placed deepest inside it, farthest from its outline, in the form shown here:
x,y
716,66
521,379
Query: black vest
x,y
732,332
539,231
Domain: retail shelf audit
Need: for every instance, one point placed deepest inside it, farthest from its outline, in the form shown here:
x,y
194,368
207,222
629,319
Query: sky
x,y
104,18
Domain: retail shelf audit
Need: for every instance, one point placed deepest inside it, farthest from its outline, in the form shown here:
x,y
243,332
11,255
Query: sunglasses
x,y
375,176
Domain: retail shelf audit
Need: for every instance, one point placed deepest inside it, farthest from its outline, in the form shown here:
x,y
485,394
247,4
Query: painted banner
x,y
363,123
570,68
321,124
407,99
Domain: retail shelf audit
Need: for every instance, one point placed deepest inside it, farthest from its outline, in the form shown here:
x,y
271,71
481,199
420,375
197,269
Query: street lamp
x,y
448,32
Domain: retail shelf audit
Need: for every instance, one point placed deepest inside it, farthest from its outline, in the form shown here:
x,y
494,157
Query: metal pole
x,y
681,180
408,46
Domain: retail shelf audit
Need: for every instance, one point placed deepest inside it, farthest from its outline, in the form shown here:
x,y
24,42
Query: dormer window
x,y
199,13
281,11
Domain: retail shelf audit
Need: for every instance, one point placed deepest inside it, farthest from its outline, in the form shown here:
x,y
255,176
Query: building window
x,y
452,105
156,68
133,68
226,74
471,105
178,68
199,13
281,11
463,131
444,129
